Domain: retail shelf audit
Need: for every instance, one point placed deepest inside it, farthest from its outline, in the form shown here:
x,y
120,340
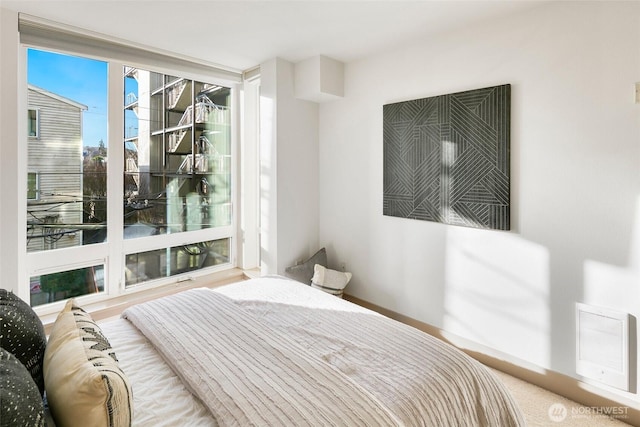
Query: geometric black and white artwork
x,y
447,158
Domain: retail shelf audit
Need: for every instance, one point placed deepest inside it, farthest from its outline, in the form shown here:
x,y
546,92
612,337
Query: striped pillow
x,y
84,383
330,281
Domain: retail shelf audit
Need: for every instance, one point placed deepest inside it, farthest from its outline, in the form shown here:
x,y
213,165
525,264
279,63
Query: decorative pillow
x,y
85,385
22,334
330,281
20,400
304,272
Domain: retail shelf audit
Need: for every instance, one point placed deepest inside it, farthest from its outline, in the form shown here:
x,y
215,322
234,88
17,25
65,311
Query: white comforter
x,y
402,375
245,371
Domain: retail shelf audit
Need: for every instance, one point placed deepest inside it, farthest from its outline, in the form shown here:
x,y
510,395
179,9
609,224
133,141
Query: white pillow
x,y
330,281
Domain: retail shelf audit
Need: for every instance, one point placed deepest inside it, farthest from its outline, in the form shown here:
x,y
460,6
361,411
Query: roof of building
x,y
58,97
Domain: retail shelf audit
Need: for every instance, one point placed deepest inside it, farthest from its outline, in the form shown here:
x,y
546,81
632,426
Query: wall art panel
x,y
446,158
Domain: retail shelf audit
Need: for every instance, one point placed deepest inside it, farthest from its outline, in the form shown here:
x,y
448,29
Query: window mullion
x,y
115,180
142,244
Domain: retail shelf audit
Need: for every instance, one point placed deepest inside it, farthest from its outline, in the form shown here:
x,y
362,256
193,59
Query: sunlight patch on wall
x,y
497,293
267,186
634,251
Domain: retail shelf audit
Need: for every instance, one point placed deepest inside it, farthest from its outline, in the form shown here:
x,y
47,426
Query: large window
x,y
177,154
120,203
60,89
67,98
177,176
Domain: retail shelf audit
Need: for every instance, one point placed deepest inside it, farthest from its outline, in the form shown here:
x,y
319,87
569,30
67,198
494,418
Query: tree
x,y
94,172
71,284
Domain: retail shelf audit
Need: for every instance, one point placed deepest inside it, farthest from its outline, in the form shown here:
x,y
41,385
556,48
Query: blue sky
x,y
80,79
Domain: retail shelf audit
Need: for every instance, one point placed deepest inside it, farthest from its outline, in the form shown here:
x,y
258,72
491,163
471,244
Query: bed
x,y
272,351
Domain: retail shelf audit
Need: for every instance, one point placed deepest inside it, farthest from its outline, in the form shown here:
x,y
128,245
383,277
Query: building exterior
x,y
54,196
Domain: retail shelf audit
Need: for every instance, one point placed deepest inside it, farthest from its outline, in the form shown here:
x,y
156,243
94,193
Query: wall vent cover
x,y
602,345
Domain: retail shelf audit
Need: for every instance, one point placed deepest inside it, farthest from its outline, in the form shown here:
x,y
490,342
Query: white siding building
x,y
55,171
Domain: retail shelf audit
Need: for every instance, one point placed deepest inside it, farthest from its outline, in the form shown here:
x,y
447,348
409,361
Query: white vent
x,y
602,345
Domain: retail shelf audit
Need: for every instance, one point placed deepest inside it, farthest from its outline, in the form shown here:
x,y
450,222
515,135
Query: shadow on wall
x,y
497,293
617,287
409,268
514,296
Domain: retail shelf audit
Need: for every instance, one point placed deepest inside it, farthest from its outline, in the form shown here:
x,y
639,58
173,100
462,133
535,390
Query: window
x,y
32,186
66,171
178,154
144,266
32,121
123,203
66,284
66,198
177,174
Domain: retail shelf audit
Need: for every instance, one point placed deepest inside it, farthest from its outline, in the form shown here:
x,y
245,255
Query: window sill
x,y
253,273
111,308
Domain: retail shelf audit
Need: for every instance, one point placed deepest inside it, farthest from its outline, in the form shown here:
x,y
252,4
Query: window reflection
x,y
177,154
168,262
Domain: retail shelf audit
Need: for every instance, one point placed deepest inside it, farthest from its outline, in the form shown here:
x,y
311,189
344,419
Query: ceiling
x,y
242,34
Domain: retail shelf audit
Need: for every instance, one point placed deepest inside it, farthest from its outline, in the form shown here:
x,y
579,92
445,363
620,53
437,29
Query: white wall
x,y
289,170
12,239
575,151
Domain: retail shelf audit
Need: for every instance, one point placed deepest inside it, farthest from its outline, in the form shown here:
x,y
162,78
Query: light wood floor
x,y
544,408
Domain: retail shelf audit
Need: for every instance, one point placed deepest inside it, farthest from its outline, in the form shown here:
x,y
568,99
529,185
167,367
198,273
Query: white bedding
x,y
159,397
459,391
153,380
